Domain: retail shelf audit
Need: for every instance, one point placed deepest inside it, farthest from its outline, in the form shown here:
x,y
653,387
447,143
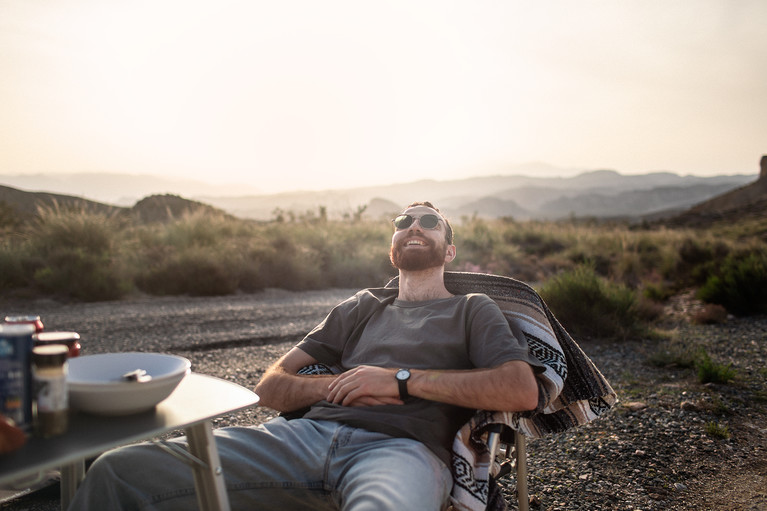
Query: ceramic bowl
x,y
96,383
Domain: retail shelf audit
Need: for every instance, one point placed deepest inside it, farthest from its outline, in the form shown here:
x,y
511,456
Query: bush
x,y
713,372
716,430
194,272
73,253
740,286
590,306
86,276
710,314
674,354
12,274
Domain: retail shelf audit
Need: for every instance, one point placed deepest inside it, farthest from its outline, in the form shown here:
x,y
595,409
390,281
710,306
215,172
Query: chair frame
x,y
520,458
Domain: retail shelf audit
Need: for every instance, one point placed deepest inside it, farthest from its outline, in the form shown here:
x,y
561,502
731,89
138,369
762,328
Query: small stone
x,y
680,486
635,406
689,406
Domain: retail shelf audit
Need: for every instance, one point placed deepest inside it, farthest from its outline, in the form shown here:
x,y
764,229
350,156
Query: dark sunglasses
x,y
427,221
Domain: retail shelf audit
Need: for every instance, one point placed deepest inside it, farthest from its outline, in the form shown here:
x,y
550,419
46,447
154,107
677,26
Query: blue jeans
x,y
282,465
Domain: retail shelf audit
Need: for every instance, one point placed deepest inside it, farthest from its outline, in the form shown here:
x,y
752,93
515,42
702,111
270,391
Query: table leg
x,y
71,477
208,478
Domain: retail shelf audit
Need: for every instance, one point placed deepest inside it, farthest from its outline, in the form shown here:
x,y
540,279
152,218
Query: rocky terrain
x,y
671,444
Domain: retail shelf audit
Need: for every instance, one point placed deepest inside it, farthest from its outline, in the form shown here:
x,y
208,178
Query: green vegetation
x,y
602,280
681,355
740,284
592,306
674,354
710,371
716,430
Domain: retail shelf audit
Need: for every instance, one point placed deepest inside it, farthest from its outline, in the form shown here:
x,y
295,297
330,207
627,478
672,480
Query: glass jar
x,y
49,372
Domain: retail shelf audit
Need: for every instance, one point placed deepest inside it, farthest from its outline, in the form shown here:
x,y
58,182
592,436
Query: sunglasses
x,y
427,221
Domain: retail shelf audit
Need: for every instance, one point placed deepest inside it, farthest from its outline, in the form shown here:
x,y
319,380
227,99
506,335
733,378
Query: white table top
x,y
197,398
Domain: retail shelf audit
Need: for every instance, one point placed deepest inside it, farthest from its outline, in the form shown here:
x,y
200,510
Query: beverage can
x,y
16,373
26,320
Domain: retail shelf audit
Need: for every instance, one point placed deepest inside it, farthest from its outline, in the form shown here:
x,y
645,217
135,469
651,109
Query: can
x,y
16,373
70,339
26,320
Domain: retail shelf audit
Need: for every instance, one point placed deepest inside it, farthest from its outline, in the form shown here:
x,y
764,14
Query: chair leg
x,y
520,448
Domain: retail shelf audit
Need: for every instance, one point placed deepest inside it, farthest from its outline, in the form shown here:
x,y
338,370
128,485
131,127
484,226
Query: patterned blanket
x,y
572,390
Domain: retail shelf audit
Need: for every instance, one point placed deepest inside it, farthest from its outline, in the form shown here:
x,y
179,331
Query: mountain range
x,y
600,194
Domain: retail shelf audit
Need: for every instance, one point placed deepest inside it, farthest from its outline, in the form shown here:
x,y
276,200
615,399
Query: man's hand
x,y
365,386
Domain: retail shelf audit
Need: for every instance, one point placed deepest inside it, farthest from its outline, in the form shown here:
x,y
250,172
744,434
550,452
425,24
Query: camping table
x,y
197,400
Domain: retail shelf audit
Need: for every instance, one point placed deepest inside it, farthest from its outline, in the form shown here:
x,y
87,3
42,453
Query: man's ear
x,y
449,253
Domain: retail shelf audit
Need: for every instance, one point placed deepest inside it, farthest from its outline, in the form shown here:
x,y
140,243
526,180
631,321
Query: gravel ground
x,y
653,452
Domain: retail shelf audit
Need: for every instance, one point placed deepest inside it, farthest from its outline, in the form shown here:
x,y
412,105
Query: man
x,y
412,364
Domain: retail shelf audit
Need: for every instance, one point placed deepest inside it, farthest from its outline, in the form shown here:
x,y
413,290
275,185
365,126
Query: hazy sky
x,y
322,93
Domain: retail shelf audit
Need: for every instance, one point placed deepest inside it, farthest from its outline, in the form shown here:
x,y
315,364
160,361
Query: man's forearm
x,y
286,392
510,387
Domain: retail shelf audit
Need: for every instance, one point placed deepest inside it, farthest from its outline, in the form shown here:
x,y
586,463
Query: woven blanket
x,y
572,391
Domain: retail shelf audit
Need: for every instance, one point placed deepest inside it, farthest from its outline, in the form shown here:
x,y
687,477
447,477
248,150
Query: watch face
x,y
403,374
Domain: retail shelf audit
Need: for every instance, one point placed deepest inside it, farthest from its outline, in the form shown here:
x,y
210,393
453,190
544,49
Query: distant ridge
x,y
18,206
26,204
603,193
594,194
164,208
118,189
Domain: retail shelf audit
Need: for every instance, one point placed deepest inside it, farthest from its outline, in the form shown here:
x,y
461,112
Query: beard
x,y
416,260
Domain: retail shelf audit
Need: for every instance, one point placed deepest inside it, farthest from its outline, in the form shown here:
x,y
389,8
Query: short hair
x,y
448,227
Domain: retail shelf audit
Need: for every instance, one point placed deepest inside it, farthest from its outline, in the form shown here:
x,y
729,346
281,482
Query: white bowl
x,y
96,384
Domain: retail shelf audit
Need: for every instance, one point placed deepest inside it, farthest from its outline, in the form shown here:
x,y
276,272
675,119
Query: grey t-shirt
x,y
375,328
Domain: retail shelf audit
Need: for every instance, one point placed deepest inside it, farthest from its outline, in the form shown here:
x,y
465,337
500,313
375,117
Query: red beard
x,y
415,260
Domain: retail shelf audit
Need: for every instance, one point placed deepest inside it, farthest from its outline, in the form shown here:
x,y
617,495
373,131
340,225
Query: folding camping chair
x,y
572,392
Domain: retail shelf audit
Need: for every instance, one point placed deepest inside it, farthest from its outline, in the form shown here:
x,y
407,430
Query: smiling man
x,y
410,366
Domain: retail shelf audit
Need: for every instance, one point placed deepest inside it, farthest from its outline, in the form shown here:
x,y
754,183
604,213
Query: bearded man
x,y
410,366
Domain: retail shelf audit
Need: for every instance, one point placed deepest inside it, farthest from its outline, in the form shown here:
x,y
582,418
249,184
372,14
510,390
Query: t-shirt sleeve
x,y
492,341
326,341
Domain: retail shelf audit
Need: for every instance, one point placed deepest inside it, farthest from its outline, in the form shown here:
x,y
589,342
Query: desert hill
x,y
23,206
745,202
18,206
602,194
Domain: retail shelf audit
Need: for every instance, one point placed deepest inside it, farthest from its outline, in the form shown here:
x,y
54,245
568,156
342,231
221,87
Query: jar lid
x,y
49,356
53,337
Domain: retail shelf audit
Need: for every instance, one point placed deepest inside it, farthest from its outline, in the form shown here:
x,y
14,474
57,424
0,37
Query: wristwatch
x,y
402,376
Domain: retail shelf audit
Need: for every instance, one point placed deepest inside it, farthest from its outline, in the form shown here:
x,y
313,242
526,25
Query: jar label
x,y
51,394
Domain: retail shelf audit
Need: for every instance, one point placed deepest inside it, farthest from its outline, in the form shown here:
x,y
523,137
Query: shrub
x,y
674,354
713,372
83,275
696,259
740,285
590,306
73,253
716,430
193,272
710,314
12,274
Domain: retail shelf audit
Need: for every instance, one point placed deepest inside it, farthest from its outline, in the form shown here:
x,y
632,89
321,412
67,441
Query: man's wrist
x,y
402,376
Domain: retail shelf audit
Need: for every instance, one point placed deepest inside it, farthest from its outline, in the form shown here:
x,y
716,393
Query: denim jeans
x,y
282,465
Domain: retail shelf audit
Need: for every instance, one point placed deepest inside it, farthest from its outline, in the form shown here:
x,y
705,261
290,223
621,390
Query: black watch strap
x,y
403,375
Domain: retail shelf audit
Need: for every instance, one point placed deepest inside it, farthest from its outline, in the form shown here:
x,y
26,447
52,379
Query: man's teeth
x,y
415,242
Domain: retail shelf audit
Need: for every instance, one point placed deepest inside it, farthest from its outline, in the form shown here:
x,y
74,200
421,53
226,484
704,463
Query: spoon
x,y
138,375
